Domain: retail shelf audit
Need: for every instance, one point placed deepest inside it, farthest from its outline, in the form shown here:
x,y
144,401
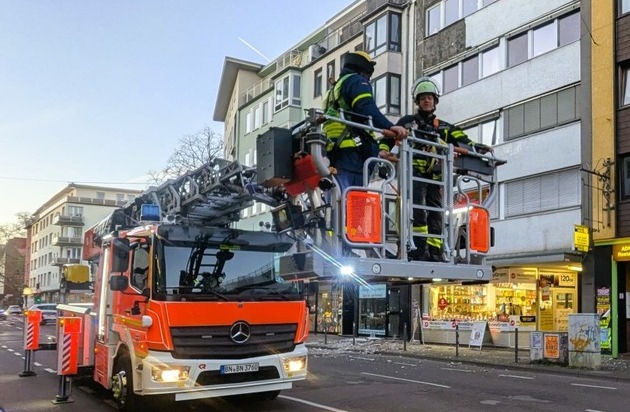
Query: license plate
x,y
239,368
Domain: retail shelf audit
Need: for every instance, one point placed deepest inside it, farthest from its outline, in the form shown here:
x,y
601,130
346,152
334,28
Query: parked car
x,y
3,314
14,310
49,312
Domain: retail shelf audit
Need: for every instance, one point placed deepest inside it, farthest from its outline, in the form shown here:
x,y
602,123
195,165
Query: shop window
x,y
372,309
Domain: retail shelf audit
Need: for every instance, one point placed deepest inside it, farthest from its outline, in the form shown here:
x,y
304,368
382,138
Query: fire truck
x,y
188,306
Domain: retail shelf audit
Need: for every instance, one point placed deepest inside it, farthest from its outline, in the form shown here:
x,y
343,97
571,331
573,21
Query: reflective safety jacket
x,y
447,132
351,93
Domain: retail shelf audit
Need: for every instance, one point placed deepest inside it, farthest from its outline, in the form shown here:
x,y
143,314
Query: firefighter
x,y
425,94
348,147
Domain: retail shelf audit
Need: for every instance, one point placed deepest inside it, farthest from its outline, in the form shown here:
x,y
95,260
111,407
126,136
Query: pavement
x,y
611,369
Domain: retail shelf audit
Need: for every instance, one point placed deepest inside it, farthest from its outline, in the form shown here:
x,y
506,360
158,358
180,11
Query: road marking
x,y
595,386
406,380
516,376
50,370
37,364
10,350
3,346
362,358
592,410
317,405
456,370
404,364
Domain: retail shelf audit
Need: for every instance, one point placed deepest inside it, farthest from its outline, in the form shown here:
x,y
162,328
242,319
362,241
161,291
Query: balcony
x,y
67,241
60,261
62,220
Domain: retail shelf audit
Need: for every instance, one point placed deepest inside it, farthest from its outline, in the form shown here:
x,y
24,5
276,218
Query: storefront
x,y
525,298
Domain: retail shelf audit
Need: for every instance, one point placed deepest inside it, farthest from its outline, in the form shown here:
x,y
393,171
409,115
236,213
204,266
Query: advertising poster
x,y
551,348
477,333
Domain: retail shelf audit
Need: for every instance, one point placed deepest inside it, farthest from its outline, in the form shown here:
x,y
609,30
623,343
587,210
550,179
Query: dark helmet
x,y
360,61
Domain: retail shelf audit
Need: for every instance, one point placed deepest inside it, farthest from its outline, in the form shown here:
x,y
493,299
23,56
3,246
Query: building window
x,y
383,34
257,117
517,49
625,81
317,83
543,193
542,113
470,70
490,61
330,74
625,178
545,38
624,6
265,112
248,122
120,197
100,195
569,28
433,20
451,79
288,91
387,93
484,132
451,12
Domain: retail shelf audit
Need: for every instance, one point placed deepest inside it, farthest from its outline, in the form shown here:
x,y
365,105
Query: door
x,y
393,312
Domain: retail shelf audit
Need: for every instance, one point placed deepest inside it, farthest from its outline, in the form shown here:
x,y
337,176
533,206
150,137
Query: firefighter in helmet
x,y
349,147
426,95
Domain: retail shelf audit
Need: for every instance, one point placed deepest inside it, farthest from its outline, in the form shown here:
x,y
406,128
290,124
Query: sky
x,y
100,92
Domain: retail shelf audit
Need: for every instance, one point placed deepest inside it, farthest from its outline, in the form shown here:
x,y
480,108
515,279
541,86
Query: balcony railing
x,y
67,241
68,220
60,261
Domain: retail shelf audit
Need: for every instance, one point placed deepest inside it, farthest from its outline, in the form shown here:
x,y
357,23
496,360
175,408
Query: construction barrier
x,y
68,332
31,329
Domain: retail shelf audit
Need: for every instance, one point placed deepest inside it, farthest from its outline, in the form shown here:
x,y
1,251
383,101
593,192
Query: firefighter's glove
x,y
482,148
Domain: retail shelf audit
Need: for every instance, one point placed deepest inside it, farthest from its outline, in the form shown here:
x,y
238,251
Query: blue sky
x,y
101,91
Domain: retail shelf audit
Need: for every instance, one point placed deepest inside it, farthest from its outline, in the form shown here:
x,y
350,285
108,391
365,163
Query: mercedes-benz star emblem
x,y
240,332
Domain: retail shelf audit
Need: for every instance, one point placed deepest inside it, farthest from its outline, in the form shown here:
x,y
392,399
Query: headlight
x,y
296,364
170,373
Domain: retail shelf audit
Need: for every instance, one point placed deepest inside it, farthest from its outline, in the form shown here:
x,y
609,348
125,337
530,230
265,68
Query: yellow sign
x,y
581,238
551,347
621,252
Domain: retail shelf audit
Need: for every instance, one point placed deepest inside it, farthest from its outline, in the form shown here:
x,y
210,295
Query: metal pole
x,y
457,339
405,336
325,331
516,344
27,365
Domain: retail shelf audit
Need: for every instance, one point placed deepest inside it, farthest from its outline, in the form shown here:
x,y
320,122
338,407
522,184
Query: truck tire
x,y
122,385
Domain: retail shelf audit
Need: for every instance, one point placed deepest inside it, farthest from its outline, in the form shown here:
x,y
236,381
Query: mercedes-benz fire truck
x,y
188,306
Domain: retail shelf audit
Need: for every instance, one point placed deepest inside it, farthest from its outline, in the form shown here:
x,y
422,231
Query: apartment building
x,y
510,76
55,234
12,271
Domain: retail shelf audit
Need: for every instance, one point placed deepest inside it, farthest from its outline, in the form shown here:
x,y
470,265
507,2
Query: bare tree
x,y
193,151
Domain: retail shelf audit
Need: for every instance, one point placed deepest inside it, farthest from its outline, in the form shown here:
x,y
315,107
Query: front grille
x,y
216,378
213,342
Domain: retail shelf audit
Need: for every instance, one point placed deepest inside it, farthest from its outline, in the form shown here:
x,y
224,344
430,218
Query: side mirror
x,y
118,283
120,251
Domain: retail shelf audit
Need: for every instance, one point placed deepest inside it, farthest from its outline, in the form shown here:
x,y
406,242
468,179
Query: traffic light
x,y
38,298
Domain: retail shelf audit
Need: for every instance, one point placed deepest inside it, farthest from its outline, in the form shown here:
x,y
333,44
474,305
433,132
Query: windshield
x,y
200,271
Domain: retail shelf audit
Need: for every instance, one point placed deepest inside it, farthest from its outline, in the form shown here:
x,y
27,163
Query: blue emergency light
x,y
150,213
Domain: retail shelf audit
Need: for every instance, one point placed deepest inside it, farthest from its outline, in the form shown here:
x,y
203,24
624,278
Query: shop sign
x,y
621,252
500,276
501,326
566,279
373,291
446,325
521,276
581,238
552,346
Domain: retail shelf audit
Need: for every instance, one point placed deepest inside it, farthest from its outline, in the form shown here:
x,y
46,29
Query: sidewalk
x,y
614,369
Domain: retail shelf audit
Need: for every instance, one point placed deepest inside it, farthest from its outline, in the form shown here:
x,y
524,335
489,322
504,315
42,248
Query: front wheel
x,y
122,386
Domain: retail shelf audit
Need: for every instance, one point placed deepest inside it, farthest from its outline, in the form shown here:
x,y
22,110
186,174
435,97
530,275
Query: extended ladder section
x,y
212,195
369,230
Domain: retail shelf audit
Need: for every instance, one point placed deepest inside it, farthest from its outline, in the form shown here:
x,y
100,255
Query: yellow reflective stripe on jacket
x,y
359,97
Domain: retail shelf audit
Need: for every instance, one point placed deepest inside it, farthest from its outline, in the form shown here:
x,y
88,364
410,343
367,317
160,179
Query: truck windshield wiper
x,y
187,290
